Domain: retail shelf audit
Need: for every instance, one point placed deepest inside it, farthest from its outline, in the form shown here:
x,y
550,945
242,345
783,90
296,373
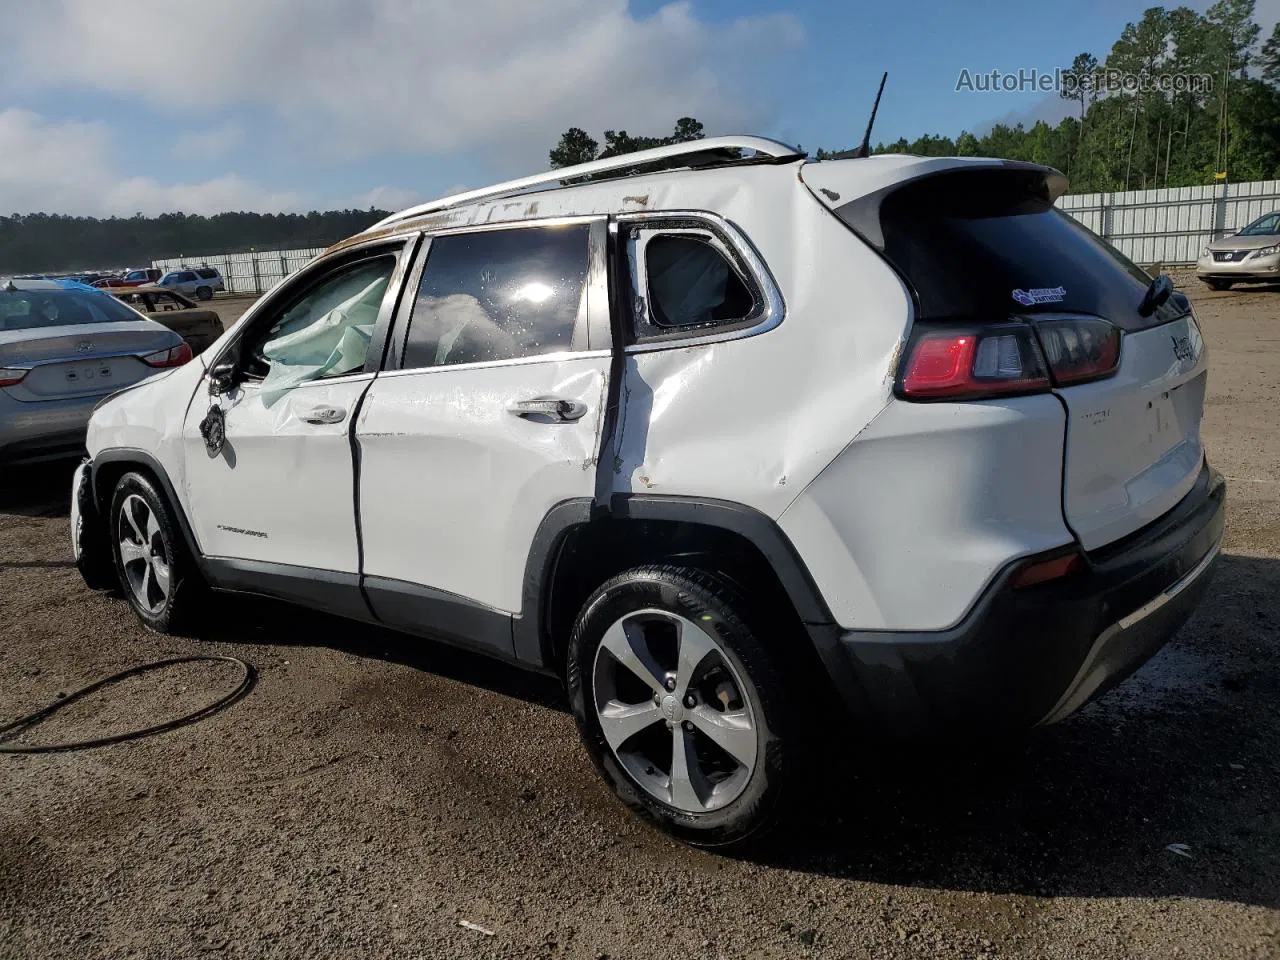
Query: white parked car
x,y
716,444
199,282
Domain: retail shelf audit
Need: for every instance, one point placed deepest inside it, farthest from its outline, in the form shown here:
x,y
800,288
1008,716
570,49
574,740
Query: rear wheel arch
x,y
575,552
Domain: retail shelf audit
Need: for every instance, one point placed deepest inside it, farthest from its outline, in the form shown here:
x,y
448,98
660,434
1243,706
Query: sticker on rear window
x,y
1029,298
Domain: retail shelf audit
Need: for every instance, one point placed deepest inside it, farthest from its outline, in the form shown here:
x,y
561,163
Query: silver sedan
x,y
1250,256
61,351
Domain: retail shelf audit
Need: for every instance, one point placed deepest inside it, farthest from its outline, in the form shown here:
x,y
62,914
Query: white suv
x,y
202,282
710,443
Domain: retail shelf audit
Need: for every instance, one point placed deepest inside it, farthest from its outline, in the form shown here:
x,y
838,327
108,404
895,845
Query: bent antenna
x,y
864,148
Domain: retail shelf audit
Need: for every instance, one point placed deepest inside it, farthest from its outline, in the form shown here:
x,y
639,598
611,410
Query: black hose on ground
x,y
11,730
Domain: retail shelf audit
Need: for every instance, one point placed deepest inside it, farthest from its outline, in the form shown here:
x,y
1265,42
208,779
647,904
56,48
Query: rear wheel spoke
x,y
688,785
695,647
731,731
625,643
622,721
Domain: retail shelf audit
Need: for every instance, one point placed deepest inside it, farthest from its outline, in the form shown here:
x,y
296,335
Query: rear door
x,y
490,418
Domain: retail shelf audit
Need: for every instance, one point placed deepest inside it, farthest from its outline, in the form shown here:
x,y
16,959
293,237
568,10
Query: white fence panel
x,y
255,272
1172,225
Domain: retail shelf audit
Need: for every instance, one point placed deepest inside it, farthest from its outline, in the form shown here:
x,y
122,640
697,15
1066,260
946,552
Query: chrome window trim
x,y
743,256
559,355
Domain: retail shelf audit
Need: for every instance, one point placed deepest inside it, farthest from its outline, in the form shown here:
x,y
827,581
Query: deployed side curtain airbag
x,y
687,280
303,347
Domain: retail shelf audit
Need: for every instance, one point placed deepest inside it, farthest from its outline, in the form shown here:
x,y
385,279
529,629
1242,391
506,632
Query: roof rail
x,y
774,150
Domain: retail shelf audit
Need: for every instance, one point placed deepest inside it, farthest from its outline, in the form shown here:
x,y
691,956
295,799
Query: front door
x,y
492,418
273,503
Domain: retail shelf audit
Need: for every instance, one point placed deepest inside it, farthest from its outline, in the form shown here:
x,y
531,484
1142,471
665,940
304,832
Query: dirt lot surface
x,y
373,791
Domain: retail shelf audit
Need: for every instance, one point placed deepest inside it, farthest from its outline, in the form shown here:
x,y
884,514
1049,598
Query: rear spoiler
x,y
862,213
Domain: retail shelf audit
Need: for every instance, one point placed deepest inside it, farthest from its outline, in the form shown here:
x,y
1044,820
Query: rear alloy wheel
x,y
204,293
680,704
157,577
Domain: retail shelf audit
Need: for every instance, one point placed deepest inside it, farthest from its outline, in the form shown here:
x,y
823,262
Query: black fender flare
x,y
131,455
530,628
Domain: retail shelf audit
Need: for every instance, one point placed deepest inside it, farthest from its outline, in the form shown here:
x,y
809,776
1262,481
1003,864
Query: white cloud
x,y
210,144
67,168
360,76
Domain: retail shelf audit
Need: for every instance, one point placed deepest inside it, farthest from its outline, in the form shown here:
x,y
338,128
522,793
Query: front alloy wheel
x,y
152,563
144,556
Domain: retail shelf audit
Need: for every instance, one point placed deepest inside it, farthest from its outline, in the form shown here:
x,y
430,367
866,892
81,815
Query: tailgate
x,y
985,245
1133,441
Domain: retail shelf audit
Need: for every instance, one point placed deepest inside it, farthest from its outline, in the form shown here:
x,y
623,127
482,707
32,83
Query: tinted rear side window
x,y
206,273
498,295
981,245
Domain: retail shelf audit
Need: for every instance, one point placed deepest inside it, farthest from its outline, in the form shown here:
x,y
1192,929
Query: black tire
x,y
725,617
1219,284
204,293
186,590
90,544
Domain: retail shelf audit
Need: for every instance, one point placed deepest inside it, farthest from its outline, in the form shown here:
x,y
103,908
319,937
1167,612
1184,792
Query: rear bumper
x,y
1037,654
45,429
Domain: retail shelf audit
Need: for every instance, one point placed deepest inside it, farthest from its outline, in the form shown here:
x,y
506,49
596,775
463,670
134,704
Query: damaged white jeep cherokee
x,y
706,430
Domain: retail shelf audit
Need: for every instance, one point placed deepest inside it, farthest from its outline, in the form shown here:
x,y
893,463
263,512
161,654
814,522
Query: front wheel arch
x,y
110,465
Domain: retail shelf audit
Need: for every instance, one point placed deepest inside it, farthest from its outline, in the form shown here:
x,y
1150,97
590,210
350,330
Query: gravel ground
x,y
372,792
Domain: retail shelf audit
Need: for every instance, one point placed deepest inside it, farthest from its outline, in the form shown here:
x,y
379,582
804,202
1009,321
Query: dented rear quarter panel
x,y
754,420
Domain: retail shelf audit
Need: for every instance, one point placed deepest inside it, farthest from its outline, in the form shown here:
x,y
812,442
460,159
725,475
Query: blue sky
x,y
302,104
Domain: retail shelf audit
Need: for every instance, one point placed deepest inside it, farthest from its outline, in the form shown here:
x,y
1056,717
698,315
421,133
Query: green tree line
x,y
1117,140
52,242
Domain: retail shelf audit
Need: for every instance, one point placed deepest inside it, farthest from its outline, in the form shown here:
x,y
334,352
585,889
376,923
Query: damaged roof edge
x,y
765,150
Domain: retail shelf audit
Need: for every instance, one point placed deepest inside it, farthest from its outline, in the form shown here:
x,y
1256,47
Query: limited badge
x,y
214,430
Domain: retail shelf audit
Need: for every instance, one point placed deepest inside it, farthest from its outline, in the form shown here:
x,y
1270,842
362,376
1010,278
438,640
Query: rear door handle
x,y
319,415
557,408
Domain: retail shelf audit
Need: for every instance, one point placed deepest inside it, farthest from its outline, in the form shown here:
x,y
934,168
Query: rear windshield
x,y
981,245
29,309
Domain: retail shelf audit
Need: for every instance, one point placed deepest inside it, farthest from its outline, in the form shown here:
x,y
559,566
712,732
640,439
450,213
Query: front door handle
x,y
557,408
319,415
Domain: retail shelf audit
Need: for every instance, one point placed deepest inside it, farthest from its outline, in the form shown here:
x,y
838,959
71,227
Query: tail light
x,y
1079,350
11,375
978,363
173,357
973,364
